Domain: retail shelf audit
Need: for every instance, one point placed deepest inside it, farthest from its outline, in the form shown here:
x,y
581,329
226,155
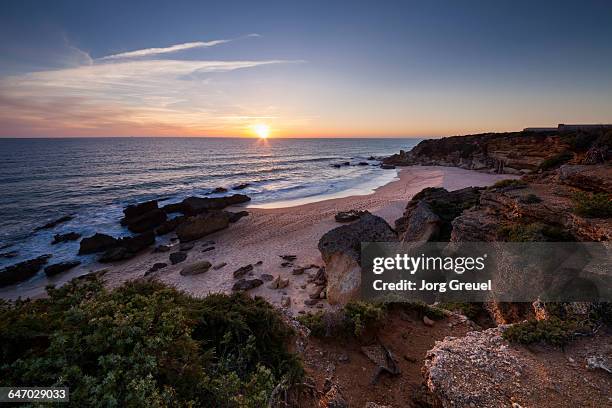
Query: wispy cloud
x,y
148,52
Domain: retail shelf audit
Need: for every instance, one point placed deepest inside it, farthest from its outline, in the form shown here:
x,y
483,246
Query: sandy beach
x,y
269,232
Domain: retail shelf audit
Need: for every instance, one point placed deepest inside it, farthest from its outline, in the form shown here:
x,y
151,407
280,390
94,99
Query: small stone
x,y
240,272
258,263
196,268
344,358
427,321
219,265
246,284
286,264
279,283
266,277
298,271
162,248
208,249
156,267
177,257
314,291
285,301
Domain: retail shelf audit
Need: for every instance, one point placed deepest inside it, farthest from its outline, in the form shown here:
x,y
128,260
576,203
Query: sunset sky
x,y
305,69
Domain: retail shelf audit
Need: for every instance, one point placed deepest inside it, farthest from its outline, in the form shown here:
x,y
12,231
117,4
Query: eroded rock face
x,y
596,178
429,214
341,250
201,225
513,153
504,213
22,271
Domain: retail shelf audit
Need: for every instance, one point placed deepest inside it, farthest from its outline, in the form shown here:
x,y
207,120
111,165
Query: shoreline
x,y
266,234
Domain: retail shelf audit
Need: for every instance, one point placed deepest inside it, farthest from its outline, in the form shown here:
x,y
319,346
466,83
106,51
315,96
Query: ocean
x,y
93,179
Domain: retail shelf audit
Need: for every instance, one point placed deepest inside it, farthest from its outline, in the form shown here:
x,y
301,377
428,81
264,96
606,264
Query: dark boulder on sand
x,y
22,271
143,217
341,251
58,268
177,257
70,236
97,243
128,247
201,225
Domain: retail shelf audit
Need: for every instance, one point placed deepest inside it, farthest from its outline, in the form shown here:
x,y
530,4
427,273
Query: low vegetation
x,y
556,160
357,318
145,344
553,331
596,205
352,320
510,183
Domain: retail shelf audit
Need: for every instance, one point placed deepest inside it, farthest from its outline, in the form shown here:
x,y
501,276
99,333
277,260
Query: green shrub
x,y
352,320
553,331
596,205
146,344
514,183
424,309
557,160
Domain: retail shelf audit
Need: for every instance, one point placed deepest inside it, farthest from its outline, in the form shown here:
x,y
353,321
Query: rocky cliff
x,y
512,153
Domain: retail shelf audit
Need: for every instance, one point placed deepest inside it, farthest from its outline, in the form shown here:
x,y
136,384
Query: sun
x,y
262,130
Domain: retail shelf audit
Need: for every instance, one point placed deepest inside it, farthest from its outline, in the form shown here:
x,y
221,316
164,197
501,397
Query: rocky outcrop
x,y
58,268
341,248
169,225
198,205
540,210
429,214
22,271
201,225
143,217
70,236
97,243
514,153
596,178
128,247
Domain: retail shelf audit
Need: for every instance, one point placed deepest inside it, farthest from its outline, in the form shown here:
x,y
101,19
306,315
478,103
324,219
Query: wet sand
x,y
269,232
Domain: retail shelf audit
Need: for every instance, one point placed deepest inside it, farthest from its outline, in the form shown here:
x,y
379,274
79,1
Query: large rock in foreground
x,y
201,225
483,370
341,251
22,271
